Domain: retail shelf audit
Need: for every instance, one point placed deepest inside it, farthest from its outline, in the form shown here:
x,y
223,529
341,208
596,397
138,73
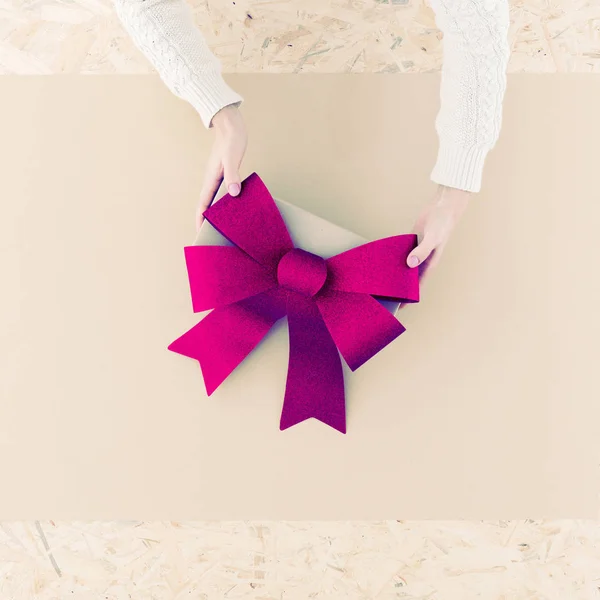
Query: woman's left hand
x,y
435,225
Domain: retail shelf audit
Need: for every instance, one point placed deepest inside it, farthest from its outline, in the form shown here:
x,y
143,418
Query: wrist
x,y
227,118
454,197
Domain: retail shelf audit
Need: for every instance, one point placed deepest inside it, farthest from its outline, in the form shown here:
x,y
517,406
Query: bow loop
x,y
221,275
252,222
377,268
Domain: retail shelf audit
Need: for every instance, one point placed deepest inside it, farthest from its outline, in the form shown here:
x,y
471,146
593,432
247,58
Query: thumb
x,y
421,252
231,175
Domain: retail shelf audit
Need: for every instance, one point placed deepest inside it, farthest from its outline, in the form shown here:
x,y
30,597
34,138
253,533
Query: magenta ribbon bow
x,y
329,304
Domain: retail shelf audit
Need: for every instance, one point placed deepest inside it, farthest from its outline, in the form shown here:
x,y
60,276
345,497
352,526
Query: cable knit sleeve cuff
x,y
459,167
211,95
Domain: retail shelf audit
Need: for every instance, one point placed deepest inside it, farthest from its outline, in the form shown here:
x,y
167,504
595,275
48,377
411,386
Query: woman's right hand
x,y
225,158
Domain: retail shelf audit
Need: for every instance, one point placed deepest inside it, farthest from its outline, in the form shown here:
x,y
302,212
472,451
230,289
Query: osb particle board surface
x,y
487,407
521,560
283,36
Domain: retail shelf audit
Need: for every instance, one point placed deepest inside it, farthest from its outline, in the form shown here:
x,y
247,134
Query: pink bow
x,y
329,304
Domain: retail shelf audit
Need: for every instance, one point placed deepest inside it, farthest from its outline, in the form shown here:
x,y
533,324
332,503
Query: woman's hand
x,y
225,159
434,226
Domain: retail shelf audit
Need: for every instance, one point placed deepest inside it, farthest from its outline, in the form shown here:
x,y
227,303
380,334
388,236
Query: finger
x,y
430,263
420,254
419,224
213,177
206,200
231,172
425,268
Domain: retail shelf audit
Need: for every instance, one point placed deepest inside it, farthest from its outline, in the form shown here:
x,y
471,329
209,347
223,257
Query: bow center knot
x,y
302,272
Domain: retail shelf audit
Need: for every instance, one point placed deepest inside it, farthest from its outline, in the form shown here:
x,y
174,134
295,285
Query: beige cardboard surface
x,y
485,408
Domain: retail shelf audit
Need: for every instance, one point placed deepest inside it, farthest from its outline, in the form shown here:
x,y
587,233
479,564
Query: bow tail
x,y
360,325
315,380
228,334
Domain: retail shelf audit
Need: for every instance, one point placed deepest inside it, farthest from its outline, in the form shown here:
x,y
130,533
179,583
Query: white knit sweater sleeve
x,y
165,32
473,85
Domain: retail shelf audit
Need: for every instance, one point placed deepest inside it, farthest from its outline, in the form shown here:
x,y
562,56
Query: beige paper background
x,y
487,405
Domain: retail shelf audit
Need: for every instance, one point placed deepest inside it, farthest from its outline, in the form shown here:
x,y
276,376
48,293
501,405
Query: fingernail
x,y
234,189
413,261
